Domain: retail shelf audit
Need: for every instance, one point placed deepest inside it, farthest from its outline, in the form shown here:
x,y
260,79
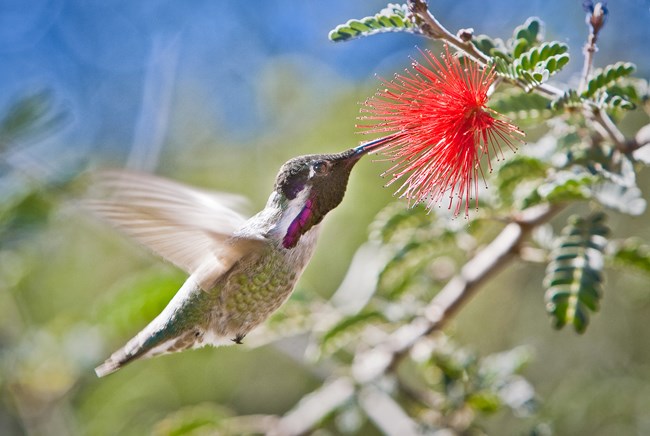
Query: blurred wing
x,y
189,227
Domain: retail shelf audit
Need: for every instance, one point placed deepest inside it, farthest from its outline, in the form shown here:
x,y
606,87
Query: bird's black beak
x,y
353,155
370,146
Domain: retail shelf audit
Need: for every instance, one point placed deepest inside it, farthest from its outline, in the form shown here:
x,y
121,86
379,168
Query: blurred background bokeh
x,y
219,94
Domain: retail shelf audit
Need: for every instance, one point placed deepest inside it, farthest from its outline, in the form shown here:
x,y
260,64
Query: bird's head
x,y
310,186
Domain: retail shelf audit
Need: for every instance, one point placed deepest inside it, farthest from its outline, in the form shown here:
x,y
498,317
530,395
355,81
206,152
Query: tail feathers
x,y
150,342
169,332
146,345
108,367
133,350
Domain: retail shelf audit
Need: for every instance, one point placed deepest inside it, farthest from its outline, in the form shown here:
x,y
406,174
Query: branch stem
x,y
589,50
313,408
458,291
432,28
611,131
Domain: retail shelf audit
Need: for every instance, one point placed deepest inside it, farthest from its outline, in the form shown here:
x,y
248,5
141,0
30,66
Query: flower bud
x,y
596,14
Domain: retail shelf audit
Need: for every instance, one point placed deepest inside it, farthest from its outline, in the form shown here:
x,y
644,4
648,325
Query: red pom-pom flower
x,y
439,129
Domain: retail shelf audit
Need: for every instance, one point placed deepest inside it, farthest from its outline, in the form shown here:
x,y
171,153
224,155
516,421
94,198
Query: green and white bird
x,y
241,270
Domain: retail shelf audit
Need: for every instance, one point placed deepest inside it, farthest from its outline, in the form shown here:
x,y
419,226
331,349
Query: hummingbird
x,y
240,270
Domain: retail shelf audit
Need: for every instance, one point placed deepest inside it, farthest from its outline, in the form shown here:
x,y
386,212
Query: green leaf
x,y
633,89
625,199
455,364
527,35
392,18
515,171
556,62
574,275
413,239
394,218
632,253
504,67
23,215
563,186
348,328
193,420
521,106
570,99
534,57
615,102
534,62
602,79
521,45
29,116
485,401
626,89
138,298
490,47
531,30
402,269
534,66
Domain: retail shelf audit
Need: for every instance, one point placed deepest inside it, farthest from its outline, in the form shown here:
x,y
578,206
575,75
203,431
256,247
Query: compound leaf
x,y
574,276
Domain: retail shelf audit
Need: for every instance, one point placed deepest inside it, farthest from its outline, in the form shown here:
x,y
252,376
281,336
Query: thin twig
x,y
385,413
603,123
313,408
433,29
609,130
589,50
595,20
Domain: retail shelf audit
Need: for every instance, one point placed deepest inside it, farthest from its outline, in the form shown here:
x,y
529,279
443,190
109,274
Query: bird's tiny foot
x,y
238,339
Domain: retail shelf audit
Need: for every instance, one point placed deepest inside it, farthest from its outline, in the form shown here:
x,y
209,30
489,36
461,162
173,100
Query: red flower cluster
x,y
439,129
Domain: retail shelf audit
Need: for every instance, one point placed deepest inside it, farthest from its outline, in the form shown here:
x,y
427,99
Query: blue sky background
x,y
123,67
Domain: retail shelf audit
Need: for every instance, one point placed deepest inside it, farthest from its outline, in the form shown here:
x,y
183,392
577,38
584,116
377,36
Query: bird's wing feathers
x,y
189,227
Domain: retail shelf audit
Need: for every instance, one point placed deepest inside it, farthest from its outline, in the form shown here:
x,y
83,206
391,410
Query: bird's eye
x,y
320,167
